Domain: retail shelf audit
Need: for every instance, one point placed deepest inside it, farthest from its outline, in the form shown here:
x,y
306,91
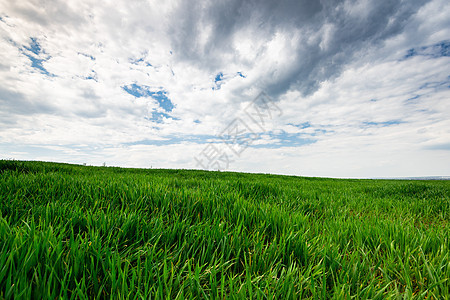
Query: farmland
x,y
94,232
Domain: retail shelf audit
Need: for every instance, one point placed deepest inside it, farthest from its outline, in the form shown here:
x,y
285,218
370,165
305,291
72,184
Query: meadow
x,y
80,232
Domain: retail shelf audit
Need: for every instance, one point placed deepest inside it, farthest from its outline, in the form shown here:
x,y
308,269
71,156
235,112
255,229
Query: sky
x,y
312,88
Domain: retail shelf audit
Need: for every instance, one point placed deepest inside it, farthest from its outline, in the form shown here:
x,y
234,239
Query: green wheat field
x,y
77,232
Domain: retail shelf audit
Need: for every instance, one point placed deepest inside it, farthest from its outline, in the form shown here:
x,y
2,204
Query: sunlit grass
x,y
94,232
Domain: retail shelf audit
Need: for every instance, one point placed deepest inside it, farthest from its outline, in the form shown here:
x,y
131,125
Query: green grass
x,y
95,232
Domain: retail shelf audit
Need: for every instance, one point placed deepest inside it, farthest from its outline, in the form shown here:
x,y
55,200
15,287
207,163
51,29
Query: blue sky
x,y
357,88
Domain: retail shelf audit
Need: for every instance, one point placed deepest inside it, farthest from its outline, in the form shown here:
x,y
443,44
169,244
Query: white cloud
x,y
339,73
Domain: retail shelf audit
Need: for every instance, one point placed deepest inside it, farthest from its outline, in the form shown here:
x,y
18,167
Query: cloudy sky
x,y
349,88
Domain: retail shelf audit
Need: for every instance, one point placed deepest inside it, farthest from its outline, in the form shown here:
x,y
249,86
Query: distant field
x,y
95,232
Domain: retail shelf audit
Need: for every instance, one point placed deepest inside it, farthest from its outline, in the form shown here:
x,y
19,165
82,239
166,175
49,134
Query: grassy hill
x,y
94,232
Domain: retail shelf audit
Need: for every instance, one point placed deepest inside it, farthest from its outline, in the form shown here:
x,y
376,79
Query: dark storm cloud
x,y
355,26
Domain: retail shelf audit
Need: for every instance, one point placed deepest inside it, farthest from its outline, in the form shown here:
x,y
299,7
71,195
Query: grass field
x,y
94,232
